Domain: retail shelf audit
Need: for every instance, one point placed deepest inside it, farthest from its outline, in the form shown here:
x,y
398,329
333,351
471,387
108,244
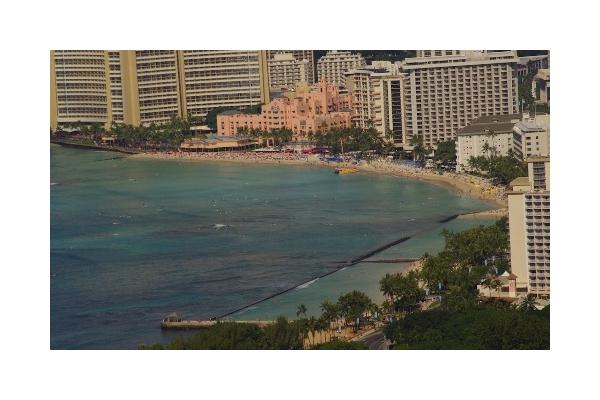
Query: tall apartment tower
x,y
299,55
332,66
376,100
140,87
80,88
220,78
529,227
285,71
442,94
150,85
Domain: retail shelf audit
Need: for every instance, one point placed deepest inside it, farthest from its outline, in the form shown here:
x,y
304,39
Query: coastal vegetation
x,y
167,136
445,151
456,317
502,169
352,309
479,326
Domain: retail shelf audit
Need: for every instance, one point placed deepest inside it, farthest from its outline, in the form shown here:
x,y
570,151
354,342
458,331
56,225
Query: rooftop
x,y
520,181
487,123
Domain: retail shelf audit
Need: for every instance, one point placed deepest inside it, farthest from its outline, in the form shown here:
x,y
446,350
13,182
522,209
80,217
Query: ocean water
x,y
133,240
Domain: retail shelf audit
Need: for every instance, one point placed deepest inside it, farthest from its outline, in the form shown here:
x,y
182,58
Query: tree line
x,y
459,319
352,309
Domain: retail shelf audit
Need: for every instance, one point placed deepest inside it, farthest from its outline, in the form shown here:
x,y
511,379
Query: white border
x,y
31,29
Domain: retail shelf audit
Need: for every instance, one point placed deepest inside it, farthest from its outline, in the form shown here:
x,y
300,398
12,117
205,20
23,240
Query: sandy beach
x,y
468,185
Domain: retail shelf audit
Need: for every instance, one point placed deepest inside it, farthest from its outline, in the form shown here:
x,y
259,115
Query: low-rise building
x,y
532,136
522,134
213,143
303,111
529,227
486,136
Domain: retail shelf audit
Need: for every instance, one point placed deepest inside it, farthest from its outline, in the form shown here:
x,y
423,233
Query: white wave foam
x,y
53,183
307,284
219,226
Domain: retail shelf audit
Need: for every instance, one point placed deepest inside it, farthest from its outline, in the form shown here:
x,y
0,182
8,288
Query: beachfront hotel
x,y
443,91
152,86
303,110
529,227
376,99
332,66
525,135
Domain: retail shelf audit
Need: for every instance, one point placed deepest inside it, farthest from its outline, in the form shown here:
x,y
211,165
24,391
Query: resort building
x,y
540,87
151,86
285,71
529,227
376,99
299,55
526,136
486,136
505,287
304,111
332,66
444,93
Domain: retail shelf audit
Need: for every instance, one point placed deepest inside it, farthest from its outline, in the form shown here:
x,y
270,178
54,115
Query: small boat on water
x,y
345,170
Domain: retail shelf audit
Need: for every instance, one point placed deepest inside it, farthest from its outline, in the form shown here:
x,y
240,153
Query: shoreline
x,y
472,186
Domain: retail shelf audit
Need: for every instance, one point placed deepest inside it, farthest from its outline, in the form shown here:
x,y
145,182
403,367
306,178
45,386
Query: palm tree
x,y
418,148
529,303
301,310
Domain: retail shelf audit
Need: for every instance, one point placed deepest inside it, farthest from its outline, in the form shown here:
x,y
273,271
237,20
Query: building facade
x,y
151,86
525,135
486,136
332,66
299,55
532,136
529,227
531,64
320,109
376,99
79,87
442,94
285,71
540,86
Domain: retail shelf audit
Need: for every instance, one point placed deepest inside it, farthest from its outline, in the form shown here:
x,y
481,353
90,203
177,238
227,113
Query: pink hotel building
x,y
307,111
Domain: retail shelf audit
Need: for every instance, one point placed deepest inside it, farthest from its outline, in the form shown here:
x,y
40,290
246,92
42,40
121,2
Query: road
x,y
376,341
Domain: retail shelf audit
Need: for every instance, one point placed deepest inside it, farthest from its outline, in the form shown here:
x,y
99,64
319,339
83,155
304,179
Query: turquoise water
x,y
133,240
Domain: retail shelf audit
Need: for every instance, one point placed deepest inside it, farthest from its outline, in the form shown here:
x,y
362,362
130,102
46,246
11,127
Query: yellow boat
x,y
345,170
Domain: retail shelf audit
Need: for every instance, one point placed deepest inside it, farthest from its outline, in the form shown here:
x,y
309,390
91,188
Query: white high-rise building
x,y
285,71
332,66
376,97
443,93
529,227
